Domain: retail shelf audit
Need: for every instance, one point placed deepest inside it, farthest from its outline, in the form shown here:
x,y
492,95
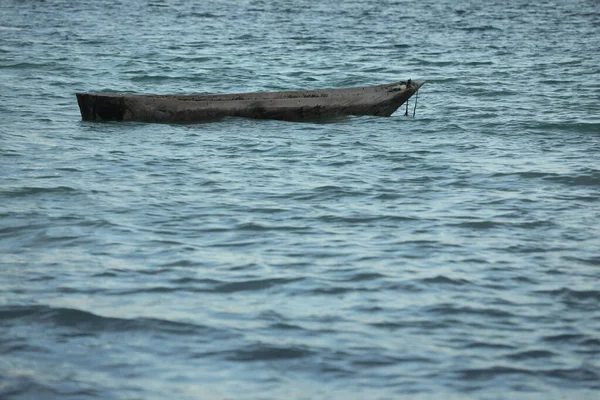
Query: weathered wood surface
x,y
381,100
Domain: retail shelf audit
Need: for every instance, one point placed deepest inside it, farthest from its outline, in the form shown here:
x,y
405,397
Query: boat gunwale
x,y
271,95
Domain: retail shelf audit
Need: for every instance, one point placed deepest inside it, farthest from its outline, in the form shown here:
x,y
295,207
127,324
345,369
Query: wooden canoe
x,y
381,100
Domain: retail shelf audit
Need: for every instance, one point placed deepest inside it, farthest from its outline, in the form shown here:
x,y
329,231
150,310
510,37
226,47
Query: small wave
x,y
583,300
28,65
178,263
364,218
19,385
383,361
201,15
573,294
432,62
17,346
584,178
364,276
87,321
450,309
36,191
593,260
157,78
444,280
492,372
286,327
251,226
583,374
186,280
254,285
477,224
160,289
105,274
268,353
564,338
43,278
488,345
327,192
336,290
190,59
154,271
574,127
482,28
531,355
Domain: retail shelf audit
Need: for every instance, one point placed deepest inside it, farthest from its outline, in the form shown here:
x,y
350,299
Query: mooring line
x,y
414,109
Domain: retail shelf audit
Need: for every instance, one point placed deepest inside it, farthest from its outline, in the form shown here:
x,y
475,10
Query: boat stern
x,y
98,107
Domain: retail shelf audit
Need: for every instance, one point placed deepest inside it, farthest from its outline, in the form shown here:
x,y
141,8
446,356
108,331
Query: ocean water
x,y
455,254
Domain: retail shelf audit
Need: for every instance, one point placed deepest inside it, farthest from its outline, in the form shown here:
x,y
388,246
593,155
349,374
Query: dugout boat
x,y
380,100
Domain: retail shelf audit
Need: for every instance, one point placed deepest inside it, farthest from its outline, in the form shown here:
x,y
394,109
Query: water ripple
x,y
453,254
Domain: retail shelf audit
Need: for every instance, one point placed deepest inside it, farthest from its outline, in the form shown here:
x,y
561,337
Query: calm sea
x,y
455,254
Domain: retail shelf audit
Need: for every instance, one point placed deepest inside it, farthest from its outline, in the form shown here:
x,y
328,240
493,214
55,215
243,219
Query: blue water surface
x,y
455,254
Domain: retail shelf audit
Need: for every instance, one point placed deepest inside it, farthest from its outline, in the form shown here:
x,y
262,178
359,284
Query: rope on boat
x,y
415,108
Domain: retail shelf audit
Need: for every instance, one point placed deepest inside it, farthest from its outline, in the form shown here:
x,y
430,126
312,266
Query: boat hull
x,y
381,100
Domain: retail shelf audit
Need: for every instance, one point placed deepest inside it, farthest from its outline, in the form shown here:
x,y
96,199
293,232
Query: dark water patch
x,y
106,274
592,261
488,346
364,277
183,263
486,374
28,65
338,290
255,285
531,355
287,327
328,192
561,127
582,374
265,352
154,271
30,387
39,191
420,324
481,28
41,278
583,178
188,280
444,280
478,224
477,63
387,361
236,244
78,290
573,294
189,59
449,309
93,323
155,290
525,280
573,338
20,346
584,300
592,345
200,15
